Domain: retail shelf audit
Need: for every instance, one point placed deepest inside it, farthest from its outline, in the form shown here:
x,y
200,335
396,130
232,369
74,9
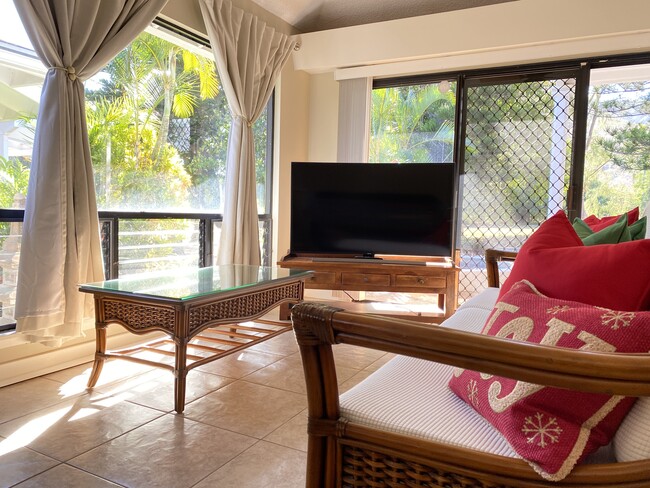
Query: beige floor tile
x,y
355,357
293,434
114,371
240,364
72,427
171,451
354,380
380,362
155,389
284,344
263,465
20,464
68,477
287,374
29,396
247,408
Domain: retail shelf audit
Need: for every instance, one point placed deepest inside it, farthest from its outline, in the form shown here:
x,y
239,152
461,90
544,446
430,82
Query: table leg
x,y
441,303
285,310
180,375
100,349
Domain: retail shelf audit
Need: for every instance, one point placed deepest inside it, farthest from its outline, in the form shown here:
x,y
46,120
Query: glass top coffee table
x,y
207,306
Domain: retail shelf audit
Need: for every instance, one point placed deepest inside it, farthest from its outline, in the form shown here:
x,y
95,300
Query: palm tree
x,y
156,79
409,124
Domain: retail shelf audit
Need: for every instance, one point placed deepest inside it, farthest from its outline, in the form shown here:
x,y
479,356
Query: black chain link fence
x,y
516,168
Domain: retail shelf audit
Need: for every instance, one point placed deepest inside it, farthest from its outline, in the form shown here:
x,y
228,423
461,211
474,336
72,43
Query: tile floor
x,y
244,423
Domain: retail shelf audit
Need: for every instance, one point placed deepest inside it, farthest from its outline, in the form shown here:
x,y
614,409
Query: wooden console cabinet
x,y
390,274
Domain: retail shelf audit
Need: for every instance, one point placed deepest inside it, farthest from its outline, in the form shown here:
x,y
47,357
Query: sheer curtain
x,y
249,56
354,120
60,245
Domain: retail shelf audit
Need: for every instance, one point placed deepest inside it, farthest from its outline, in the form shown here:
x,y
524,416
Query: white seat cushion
x,y
410,396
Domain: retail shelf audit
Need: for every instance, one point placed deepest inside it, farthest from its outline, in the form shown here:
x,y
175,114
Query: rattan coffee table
x,y
208,306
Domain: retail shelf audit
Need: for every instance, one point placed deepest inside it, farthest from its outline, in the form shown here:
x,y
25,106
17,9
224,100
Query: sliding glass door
x,y
515,163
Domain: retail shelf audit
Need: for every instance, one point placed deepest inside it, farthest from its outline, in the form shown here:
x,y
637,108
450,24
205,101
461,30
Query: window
x,y
413,123
617,157
158,126
21,80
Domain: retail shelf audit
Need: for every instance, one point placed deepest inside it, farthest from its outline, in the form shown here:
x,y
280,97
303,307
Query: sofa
x,y
403,426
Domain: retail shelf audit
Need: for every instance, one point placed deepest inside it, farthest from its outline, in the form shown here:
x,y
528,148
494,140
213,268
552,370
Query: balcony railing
x,y
132,242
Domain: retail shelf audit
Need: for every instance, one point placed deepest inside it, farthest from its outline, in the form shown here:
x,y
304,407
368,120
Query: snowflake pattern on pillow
x,y
553,429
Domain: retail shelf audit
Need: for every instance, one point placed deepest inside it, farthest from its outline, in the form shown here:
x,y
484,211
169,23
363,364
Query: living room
x,y
309,120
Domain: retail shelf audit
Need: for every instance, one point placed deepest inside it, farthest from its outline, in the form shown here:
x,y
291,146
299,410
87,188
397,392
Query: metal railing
x,y
132,242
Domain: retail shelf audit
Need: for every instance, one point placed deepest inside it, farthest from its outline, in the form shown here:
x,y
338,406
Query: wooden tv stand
x,y
408,274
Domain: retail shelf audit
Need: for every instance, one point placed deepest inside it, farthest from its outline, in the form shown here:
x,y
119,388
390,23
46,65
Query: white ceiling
x,y
316,15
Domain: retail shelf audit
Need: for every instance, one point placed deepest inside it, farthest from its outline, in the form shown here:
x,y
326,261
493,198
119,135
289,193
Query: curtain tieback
x,y
245,120
70,71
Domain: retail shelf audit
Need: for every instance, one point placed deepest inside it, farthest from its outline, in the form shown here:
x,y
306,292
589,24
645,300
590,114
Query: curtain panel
x,y
60,246
354,120
249,56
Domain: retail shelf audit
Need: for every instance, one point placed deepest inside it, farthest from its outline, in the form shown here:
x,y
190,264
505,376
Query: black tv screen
x,y
372,208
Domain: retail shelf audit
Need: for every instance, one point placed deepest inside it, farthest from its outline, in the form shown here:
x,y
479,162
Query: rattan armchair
x,y
345,453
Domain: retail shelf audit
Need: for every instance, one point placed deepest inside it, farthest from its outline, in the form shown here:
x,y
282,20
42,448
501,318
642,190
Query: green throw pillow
x,y
582,229
612,234
638,228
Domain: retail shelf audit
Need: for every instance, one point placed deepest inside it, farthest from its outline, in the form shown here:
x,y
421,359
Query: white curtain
x,y
249,56
354,120
60,245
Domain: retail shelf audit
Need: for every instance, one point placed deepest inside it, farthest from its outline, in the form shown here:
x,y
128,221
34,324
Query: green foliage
x,y
14,177
508,153
412,124
617,162
629,146
129,118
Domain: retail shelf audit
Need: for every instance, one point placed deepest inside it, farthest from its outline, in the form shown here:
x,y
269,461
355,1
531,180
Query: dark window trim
x,y
182,31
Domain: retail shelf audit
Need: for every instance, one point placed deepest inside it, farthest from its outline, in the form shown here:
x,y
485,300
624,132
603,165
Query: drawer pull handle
x,y
421,281
365,279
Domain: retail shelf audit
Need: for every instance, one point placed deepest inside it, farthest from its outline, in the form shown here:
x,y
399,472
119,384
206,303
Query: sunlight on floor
x,y
32,430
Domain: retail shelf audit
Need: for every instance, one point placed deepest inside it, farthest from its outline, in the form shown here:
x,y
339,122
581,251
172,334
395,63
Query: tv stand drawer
x,y
420,281
321,278
365,279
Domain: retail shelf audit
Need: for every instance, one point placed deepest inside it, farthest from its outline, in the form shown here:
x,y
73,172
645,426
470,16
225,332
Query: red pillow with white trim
x,y
615,276
553,428
597,224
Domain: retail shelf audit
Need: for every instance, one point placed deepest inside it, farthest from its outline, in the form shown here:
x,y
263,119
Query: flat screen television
x,y
363,209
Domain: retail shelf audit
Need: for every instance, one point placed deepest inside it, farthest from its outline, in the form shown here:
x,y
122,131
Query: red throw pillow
x,y
615,276
553,428
597,224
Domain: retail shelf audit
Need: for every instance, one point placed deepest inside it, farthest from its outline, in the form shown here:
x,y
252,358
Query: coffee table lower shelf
x,y
209,345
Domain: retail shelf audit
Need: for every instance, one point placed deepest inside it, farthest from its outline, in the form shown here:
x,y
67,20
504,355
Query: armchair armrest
x,y
318,326
492,259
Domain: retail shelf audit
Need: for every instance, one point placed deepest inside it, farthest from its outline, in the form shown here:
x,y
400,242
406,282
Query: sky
x,y
11,27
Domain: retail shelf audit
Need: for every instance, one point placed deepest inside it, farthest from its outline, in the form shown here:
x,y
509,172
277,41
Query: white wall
x,y
292,126
551,29
323,117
